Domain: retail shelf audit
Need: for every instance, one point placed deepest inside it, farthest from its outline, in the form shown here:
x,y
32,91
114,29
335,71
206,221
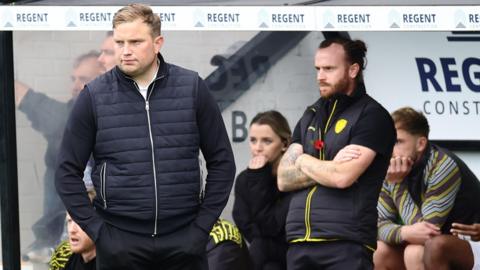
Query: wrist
x,y
403,233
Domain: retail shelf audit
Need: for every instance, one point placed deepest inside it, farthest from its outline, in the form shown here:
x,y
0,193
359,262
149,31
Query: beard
x,y
339,87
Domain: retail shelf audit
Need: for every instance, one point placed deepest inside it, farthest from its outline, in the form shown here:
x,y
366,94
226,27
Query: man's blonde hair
x,y
134,12
412,121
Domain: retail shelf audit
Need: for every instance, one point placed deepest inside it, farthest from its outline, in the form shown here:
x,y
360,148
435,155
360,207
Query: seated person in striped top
x,y
426,189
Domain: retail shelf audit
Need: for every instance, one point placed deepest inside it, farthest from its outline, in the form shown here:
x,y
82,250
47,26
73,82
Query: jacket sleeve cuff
x,y
260,172
93,228
28,101
205,221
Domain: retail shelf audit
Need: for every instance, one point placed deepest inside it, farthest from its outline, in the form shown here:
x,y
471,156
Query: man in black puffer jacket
x,y
145,122
332,217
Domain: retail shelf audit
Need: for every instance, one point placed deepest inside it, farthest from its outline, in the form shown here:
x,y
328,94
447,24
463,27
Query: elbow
x,y
344,182
281,185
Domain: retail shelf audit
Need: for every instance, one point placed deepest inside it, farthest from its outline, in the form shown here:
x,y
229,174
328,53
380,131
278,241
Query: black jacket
x,y
466,208
48,116
260,211
226,249
322,213
146,171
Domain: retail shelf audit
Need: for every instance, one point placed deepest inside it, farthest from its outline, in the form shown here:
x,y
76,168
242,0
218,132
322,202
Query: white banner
x,y
258,18
437,73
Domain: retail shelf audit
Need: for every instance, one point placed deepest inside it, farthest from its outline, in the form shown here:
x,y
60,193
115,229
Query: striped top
x,y
396,207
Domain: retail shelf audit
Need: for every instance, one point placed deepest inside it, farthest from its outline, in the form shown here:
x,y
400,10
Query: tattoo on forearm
x,y
290,175
295,179
290,157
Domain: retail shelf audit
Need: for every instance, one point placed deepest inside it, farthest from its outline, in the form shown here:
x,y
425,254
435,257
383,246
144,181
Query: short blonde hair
x,y
412,121
134,12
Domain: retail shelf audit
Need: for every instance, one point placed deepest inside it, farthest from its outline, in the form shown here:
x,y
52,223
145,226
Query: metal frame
x,y
8,158
236,73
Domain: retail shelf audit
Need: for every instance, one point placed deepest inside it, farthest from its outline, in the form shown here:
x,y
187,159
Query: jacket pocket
x,y
103,184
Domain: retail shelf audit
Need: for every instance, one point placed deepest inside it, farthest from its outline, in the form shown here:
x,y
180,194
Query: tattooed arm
x,y
289,177
336,174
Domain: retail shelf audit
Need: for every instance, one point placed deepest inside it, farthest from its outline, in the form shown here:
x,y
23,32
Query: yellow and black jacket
x,y
319,213
226,248
60,256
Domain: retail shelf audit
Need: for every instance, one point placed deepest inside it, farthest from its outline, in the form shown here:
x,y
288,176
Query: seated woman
x,y
260,209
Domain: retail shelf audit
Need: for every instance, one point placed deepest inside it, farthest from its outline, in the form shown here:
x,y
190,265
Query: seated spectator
x,y
427,188
459,251
76,253
226,248
260,209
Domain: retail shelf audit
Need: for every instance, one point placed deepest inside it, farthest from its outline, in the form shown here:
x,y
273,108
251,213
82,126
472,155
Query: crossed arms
x,y
298,170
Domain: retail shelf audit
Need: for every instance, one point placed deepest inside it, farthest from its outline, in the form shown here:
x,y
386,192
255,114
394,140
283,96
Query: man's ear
x,y
353,70
158,43
421,143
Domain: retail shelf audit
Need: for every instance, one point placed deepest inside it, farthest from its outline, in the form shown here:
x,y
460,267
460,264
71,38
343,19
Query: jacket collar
x,y
343,100
162,71
415,183
346,100
319,113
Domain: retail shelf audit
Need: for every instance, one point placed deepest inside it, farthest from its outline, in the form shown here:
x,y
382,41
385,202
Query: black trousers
x,y
334,255
268,254
122,250
228,255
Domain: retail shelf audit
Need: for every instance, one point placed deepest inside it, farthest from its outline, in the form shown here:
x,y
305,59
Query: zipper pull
x,y
147,106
